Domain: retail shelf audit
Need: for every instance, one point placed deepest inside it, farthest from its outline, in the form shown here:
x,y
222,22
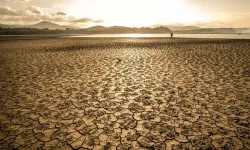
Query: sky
x,y
131,13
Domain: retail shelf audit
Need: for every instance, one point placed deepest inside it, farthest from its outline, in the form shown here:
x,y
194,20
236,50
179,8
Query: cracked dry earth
x,y
124,93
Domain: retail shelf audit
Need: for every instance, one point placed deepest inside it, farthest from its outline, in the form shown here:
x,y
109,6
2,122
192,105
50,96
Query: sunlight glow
x,y
137,13
135,35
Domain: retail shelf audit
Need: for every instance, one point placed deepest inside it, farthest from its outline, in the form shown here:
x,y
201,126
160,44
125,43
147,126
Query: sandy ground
x,y
124,93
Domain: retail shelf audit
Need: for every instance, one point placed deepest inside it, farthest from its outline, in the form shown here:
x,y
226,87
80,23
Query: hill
x,y
11,26
122,29
49,28
49,25
40,25
177,28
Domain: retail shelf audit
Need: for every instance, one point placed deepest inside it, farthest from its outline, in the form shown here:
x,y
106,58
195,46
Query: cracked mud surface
x,y
125,93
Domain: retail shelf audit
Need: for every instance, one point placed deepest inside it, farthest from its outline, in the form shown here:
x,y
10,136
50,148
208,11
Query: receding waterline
x,y
220,36
120,35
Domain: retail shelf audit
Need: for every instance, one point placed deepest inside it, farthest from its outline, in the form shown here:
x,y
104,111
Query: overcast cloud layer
x,y
224,13
32,14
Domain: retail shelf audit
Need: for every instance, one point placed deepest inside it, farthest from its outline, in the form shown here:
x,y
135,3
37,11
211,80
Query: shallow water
x,y
220,36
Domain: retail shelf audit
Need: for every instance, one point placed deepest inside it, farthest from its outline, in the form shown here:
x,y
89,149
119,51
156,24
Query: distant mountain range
x,y
40,25
92,30
49,25
11,26
122,29
178,28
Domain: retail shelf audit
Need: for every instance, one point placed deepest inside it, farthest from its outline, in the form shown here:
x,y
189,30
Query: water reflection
x,y
137,35
219,36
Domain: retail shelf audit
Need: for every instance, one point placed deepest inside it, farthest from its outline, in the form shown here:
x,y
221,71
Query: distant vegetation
x,y
93,30
52,28
46,27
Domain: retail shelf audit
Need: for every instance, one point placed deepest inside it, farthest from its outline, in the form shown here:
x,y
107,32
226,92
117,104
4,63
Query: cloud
x,y
87,20
59,6
28,15
15,19
212,24
5,10
34,10
61,14
32,14
240,19
230,20
18,0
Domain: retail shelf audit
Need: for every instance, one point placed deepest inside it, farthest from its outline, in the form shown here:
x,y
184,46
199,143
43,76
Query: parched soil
x,y
124,93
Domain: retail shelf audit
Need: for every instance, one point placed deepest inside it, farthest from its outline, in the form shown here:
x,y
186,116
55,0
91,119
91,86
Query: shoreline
x,y
40,37
132,36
